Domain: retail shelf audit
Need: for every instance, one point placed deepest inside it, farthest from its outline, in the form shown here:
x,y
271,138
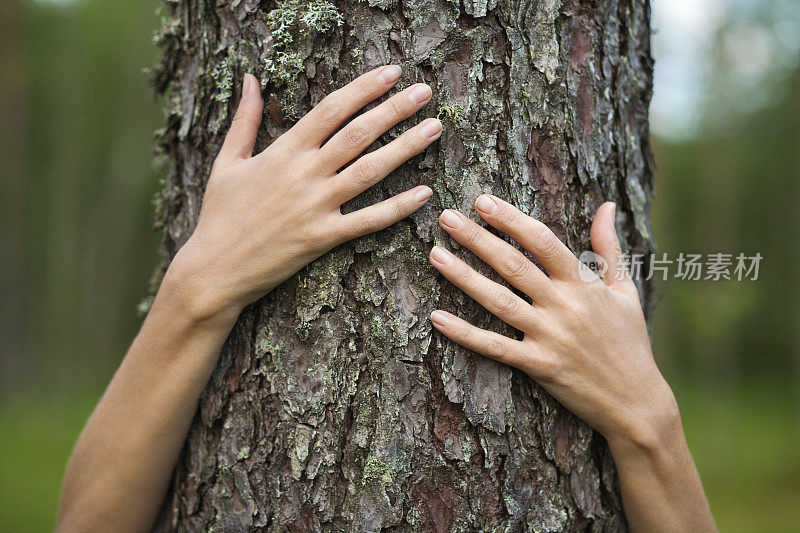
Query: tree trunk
x,y
334,405
14,135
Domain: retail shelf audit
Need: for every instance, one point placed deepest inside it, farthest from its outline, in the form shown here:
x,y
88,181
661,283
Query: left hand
x,y
266,216
585,342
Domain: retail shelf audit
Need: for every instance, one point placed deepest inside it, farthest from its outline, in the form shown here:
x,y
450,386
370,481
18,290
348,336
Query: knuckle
x,y
366,224
473,233
314,235
496,348
399,208
597,289
328,108
407,144
583,315
516,265
462,275
394,109
547,243
357,134
505,215
505,302
278,155
362,89
365,171
561,300
343,232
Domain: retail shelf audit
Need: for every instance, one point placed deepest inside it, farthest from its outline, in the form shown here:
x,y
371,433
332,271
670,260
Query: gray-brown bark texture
x,y
334,406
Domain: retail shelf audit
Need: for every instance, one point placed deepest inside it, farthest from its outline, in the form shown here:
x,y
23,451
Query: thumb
x,y
241,138
606,244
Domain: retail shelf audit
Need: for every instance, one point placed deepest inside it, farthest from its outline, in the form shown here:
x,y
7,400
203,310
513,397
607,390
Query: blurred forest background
x,y
77,116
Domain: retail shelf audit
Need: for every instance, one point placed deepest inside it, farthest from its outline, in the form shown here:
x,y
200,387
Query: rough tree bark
x,y
334,406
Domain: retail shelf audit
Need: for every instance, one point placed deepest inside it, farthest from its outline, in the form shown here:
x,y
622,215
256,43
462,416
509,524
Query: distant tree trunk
x,y
334,406
14,183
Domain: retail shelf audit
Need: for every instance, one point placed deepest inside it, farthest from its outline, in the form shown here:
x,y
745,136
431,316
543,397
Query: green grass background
x,y
745,446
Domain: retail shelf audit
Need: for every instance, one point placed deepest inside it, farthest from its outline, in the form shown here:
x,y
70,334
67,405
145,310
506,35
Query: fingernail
x,y
613,216
451,219
431,128
389,74
421,93
440,255
486,204
439,318
422,193
249,86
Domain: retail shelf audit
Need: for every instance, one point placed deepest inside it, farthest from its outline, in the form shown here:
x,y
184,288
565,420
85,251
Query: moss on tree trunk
x,y
334,405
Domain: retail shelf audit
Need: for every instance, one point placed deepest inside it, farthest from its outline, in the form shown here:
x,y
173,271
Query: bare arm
x,y
263,218
586,343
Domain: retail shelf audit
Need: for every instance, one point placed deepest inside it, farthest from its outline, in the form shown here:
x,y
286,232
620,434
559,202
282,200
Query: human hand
x,y
586,343
266,216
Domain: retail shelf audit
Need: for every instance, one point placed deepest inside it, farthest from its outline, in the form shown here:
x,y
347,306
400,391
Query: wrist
x,y
656,429
196,293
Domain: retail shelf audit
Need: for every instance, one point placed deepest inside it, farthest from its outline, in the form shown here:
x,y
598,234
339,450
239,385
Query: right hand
x,y
585,340
264,217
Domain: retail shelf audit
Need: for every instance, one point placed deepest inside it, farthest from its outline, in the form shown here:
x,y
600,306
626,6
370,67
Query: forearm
x,y
586,343
122,464
660,485
263,218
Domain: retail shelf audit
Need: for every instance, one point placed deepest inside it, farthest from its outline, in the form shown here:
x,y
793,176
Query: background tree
x,y
334,405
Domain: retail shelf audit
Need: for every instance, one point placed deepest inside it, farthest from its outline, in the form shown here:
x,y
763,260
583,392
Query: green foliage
x,y
36,441
732,191
745,441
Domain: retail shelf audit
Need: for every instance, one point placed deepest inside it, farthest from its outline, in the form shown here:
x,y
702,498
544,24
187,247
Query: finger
x,y
381,215
501,256
496,298
498,347
531,234
363,130
373,167
334,109
605,243
241,137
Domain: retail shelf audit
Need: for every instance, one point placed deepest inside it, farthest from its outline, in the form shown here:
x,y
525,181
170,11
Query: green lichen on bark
x,y
452,113
223,80
293,25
